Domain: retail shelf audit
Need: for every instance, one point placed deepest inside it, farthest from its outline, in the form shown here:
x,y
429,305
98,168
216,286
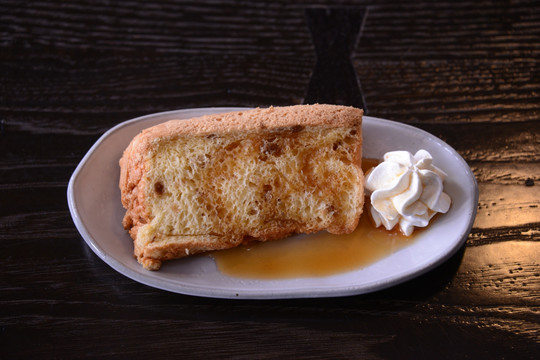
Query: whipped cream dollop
x,y
406,189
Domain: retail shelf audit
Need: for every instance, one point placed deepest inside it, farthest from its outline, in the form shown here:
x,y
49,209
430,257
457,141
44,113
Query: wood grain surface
x,y
467,72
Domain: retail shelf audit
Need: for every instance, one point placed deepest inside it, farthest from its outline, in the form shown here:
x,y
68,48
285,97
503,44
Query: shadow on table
x,y
426,285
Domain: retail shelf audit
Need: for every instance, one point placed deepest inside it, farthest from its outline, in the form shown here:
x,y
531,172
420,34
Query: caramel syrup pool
x,y
313,255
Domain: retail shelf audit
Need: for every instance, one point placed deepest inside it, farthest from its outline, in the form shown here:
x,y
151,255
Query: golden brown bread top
x,y
268,118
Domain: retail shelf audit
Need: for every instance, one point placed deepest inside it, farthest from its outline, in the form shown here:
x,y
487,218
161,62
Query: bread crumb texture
x,y
215,182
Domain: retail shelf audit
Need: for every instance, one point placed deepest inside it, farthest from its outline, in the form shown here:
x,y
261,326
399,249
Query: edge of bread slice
x,y
217,181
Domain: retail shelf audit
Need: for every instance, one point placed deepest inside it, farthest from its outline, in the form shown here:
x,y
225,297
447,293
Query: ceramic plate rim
x,y
272,290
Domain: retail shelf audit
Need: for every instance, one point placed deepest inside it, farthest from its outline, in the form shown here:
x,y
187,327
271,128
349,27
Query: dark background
x,y
468,72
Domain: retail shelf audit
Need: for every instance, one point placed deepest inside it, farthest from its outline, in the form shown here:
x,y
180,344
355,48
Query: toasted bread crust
x,y
135,163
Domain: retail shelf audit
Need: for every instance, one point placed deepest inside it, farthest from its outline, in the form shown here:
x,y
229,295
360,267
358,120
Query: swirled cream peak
x,y
406,189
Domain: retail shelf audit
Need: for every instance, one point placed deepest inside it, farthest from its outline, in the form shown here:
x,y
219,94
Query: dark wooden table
x,y
467,72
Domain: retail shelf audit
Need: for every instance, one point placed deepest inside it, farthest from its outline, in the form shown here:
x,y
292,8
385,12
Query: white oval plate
x,y
94,203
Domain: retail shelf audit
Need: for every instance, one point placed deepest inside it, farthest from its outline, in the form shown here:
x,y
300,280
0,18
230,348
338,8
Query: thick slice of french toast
x,y
218,181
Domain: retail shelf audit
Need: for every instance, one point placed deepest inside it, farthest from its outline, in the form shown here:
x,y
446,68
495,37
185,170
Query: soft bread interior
x,y
214,191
